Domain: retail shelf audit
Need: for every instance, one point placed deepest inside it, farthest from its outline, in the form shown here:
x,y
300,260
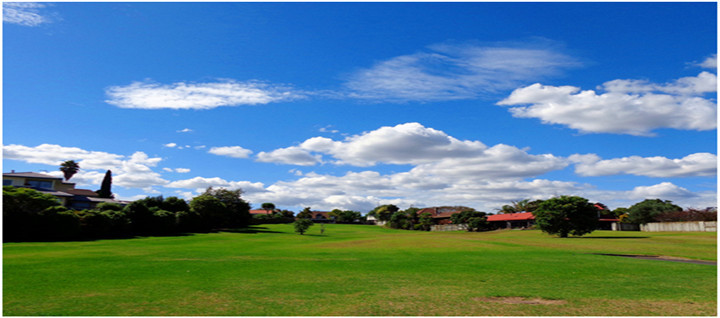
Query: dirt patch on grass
x,y
521,300
663,258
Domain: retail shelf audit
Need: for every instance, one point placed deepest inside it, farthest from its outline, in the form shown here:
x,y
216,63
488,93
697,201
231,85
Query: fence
x,y
696,226
448,227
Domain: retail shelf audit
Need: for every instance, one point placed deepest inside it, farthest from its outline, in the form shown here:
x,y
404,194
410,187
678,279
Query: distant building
x,y
440,215
65,192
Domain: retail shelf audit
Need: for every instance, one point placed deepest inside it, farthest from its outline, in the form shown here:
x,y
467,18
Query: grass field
x,y
355,270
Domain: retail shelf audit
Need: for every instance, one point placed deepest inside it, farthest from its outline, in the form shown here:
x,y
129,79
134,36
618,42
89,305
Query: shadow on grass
x,y
251,230
608,237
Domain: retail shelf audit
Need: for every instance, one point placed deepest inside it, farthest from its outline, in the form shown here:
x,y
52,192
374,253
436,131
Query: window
x,y
7,182
39,184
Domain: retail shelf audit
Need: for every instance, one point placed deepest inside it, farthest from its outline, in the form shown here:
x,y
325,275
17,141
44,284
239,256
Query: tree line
x,y
30,215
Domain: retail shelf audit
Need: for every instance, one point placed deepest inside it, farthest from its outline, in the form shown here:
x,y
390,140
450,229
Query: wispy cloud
x,y
452,72
695,165
231,151
144,95
25,13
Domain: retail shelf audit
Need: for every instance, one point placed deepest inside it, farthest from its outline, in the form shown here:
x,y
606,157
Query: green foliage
x,y
306,213
175,204
69,168
647,210
301,225
56,223
22,213
236,212
346,216
384,212
425,222
105,206
268,206
98,223
473,220
190,221
567,215
163,222
521,206
400,220
140,216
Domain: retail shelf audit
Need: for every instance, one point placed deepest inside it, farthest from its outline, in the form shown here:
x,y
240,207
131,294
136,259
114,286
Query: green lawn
x,y
356,270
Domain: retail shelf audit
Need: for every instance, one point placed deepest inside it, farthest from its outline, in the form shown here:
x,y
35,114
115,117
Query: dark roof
x,y
436,214
29,175
82,192
52,192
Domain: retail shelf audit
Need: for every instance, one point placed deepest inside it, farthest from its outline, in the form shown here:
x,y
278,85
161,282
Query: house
x,y
65,192
440,215
512,220
321,217
262,212
527,219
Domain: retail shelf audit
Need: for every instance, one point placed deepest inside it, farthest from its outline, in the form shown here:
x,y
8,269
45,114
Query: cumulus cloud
x,y
231,151
695,165
665,190
132,171
452,72
201,183
144,95
25,13
627,106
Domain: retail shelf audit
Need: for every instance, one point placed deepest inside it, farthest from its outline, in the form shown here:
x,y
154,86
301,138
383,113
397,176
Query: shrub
x,y
56,223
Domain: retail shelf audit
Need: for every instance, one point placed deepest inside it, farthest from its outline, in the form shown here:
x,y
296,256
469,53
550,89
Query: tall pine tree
x,y
105,188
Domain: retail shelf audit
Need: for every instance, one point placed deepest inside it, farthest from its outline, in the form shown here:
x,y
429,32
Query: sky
x,y
355,105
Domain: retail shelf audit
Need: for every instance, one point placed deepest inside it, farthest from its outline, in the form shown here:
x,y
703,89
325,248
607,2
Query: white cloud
x,y
291,156
627,106
185,130
201,183
665,190
694,165
128,171
231,151
24,13
170,145
182,170
710,62
451,72
197,95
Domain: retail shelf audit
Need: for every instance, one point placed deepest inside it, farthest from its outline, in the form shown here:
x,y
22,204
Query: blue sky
x,y
352,105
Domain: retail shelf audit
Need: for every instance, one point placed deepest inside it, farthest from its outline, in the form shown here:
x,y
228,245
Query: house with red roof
x,y
527,219
440,215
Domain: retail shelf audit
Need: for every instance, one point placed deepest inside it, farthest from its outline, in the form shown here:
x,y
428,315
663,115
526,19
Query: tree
x,y
566,215
399,220
237,212
175,204
306,213
521,206
268,206
425,221
105,188
384,212
473,220
69,168
647,210
302,224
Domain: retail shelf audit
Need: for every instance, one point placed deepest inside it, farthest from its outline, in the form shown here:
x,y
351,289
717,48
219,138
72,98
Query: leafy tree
x,y
306,213
268,206
399,220
566,215
69,168
425,221
287,213
105,187
24,201
384,212
647,210
212,211
175,204
521,206
237,212
473,220
301,225
688,215
108,206
140,216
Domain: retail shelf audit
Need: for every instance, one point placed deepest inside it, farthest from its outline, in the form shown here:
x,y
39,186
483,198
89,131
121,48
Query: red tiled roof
x,y
267,212
522,216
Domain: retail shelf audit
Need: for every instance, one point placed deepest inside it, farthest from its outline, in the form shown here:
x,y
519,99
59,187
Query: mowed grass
x,y
355,270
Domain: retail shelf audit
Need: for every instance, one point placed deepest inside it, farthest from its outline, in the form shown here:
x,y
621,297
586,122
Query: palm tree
x,y
69,168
